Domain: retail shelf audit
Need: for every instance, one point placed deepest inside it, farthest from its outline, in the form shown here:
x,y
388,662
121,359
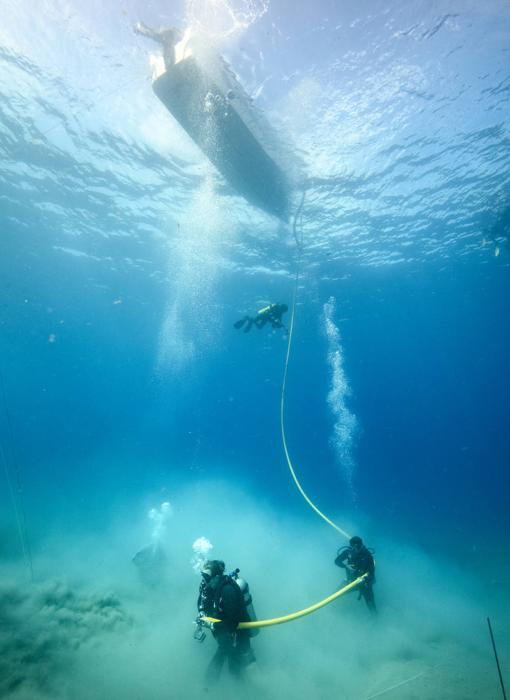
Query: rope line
x,y
299,245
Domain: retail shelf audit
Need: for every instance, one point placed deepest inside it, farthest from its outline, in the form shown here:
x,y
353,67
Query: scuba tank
x,y
248,601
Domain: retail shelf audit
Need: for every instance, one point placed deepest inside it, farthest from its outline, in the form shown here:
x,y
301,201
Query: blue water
x,y
124,262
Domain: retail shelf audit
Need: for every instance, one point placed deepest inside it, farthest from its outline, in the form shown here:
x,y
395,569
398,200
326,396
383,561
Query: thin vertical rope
x,y
298,224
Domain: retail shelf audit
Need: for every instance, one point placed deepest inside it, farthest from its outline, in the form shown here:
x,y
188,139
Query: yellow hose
x,y
356,582
299,613
284,383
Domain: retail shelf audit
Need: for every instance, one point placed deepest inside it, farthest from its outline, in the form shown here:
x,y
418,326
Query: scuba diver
x,y
168,38
357,560
221,596
269,314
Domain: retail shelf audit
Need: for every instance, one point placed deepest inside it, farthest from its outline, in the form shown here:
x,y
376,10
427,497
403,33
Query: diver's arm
x,y
144,30
370,565
340,560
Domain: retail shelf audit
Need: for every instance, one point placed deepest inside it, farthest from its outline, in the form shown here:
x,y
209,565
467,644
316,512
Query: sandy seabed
x,y
88,627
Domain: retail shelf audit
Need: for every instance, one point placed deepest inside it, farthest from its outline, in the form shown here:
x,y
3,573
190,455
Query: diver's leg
x,y
368,595
213,670
243,644
239,324
231,653
249,324
234,662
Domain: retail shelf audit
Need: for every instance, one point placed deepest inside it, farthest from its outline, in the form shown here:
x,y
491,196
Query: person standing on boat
x,y
168,38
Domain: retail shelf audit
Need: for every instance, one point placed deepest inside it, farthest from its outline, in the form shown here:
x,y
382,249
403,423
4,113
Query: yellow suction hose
x,y
299,245
344,533
299,613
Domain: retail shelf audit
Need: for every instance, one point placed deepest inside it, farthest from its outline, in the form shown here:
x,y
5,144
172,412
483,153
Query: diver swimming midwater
x,y
221,597
272,314
357,560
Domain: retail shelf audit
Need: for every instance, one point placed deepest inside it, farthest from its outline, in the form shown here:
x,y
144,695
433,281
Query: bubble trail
x,y
346,428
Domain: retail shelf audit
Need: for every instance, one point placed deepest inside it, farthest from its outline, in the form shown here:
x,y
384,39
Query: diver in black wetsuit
x,y
269,314
357,560
220,597
168,38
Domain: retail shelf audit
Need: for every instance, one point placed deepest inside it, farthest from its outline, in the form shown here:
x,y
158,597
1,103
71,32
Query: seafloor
x,y
88,627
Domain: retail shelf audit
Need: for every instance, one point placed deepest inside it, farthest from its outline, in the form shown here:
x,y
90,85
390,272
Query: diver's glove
x,y
199,633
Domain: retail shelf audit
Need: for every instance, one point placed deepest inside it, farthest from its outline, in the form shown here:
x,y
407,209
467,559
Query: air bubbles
x,y
201,549
159,517
345,428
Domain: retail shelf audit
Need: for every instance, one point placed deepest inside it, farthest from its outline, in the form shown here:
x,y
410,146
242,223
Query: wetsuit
x,y
226,603
269,314
358,561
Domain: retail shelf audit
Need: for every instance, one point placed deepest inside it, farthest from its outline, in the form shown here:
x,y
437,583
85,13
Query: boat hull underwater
x,y
210,117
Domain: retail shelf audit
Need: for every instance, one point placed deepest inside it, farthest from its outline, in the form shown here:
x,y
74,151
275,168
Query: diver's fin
x,y
240,323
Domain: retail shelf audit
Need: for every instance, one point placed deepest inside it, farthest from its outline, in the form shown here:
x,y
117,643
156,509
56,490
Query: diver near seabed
x,y
357,560
269,314
222,596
